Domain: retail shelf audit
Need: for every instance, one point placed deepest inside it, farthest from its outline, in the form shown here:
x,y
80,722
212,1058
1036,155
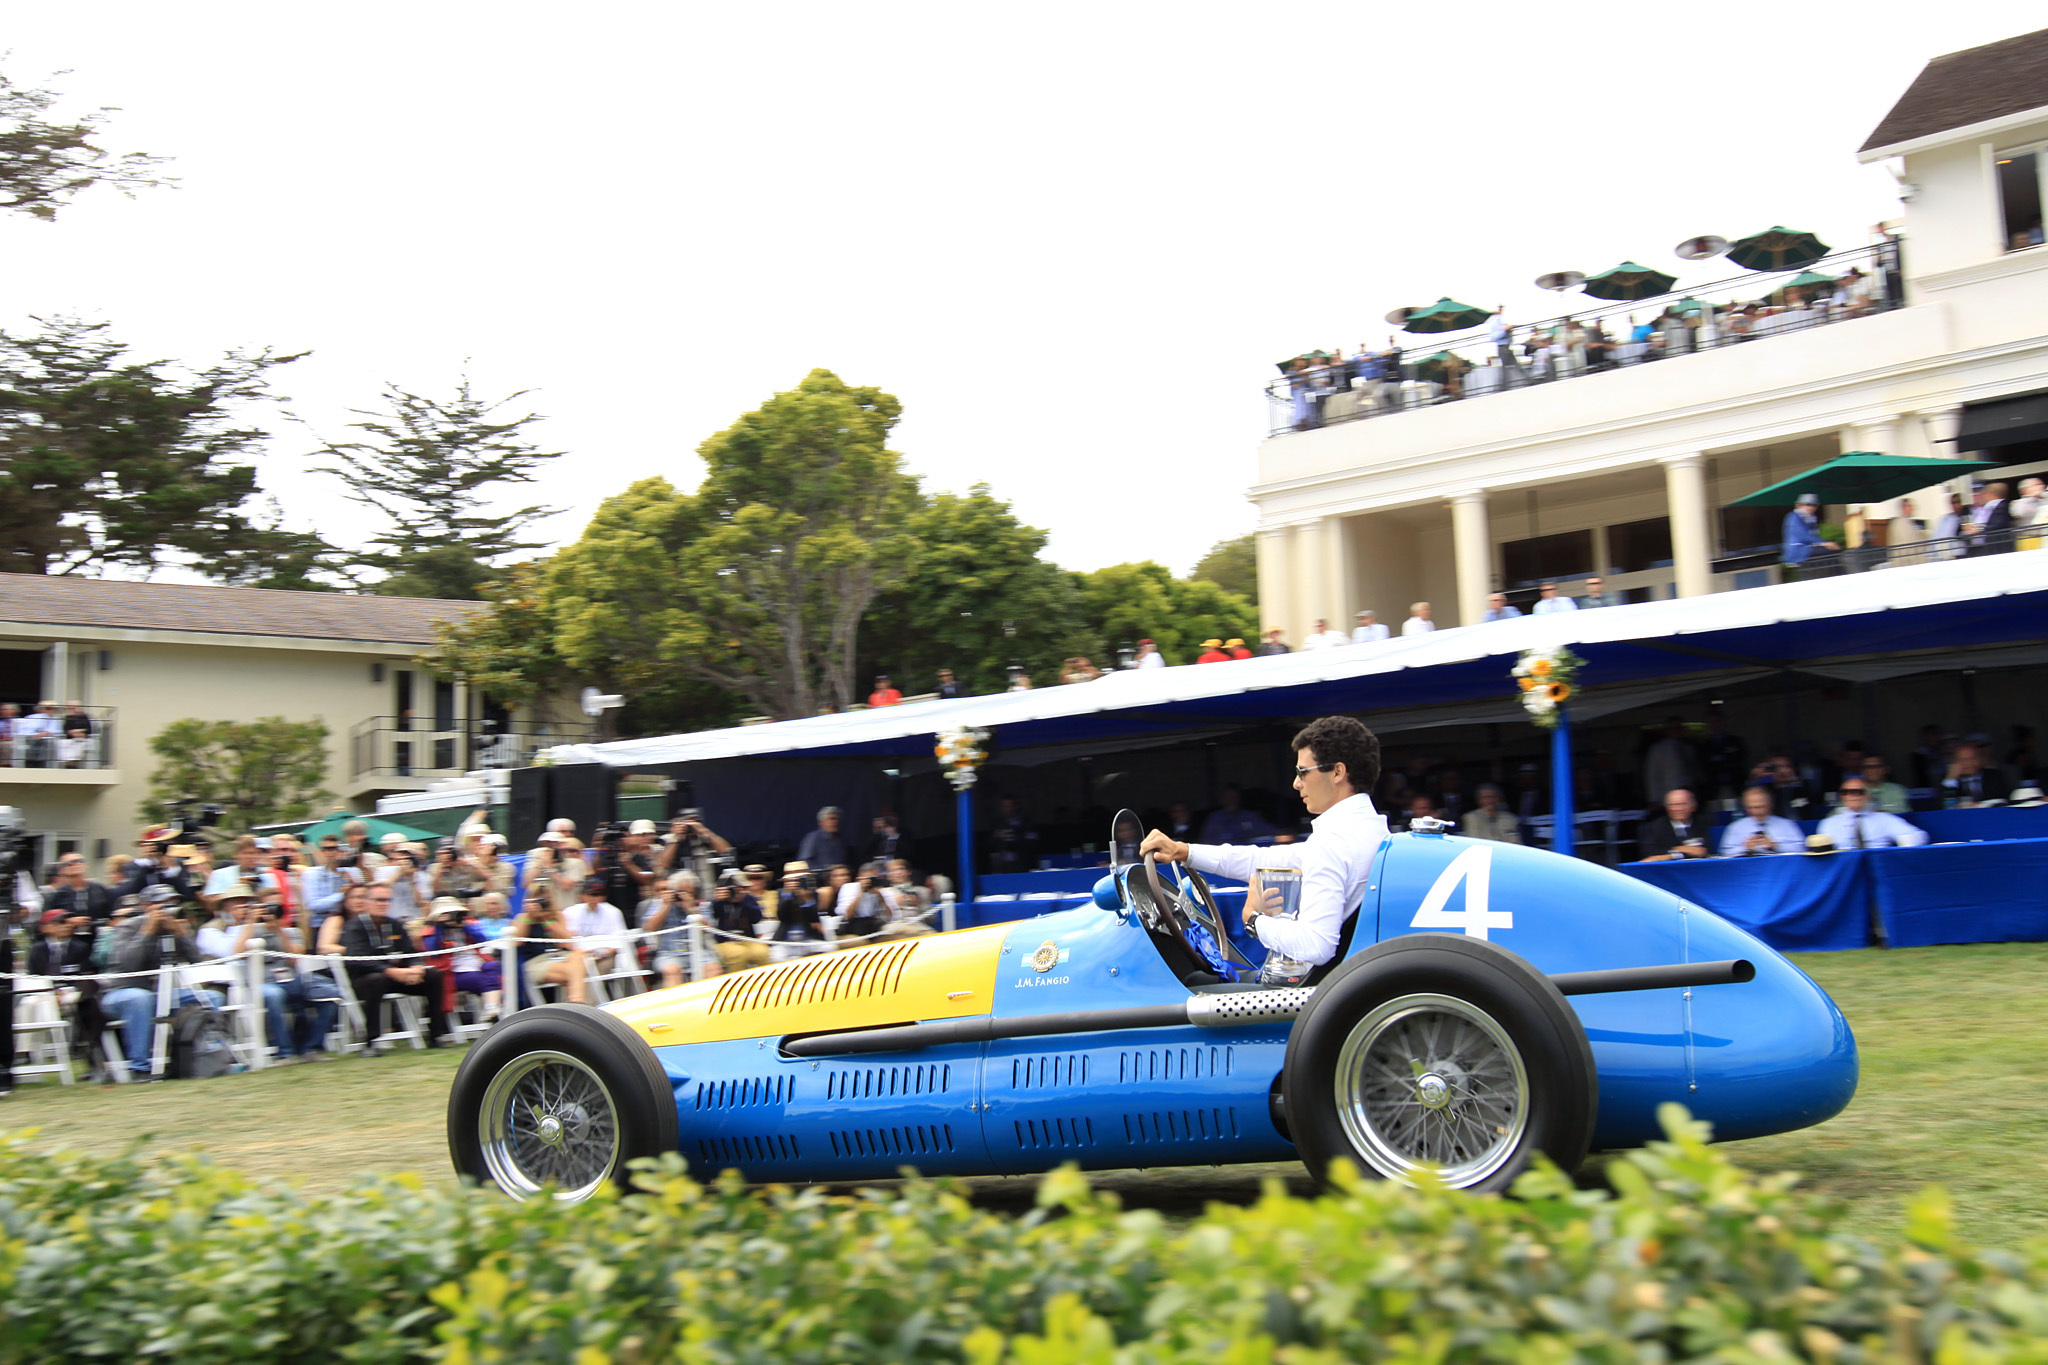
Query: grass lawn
x,y
1953,1091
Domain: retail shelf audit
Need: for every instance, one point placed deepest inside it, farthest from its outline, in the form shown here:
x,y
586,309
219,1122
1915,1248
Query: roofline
x,y
1982,128
80,634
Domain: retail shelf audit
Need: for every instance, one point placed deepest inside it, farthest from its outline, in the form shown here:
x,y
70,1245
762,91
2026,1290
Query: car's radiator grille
x,y
1180,1125
931,1139
1051,1134
1050,1070
1172,1063
745,1091
884,1082
750,1151
859,973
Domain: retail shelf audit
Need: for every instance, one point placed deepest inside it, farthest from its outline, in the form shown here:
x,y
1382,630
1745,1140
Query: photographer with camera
x,y
865,906
448,929
154,937
373,936
799,922
86,903
65,956
243,871
555,871
162,863
299,1011
690,843
670,915
621,860
552,957
411,885
911,903
735,912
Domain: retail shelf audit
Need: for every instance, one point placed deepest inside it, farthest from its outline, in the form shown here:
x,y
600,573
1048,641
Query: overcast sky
x,y
1071,238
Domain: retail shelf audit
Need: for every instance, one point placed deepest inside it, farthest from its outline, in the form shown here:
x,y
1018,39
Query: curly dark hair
x,y
1340,739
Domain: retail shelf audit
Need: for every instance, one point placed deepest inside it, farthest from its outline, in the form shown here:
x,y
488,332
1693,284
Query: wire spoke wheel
x,y
1427,1080
547,1119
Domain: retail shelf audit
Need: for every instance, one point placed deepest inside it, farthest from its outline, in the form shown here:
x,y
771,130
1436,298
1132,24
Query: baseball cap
x,y
1233,643
594,886
157,895
1808,500
389,838
640,827
1212,644
53,917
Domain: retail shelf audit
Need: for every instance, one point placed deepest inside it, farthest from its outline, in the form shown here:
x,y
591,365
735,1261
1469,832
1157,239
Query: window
x,y
1751,528
1638,545
2019,196
1569,554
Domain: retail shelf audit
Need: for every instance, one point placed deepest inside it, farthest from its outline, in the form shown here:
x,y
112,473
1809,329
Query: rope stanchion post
x,y
949,912
251,1024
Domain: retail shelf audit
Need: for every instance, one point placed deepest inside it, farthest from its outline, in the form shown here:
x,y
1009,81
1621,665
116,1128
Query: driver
x,y
1337,762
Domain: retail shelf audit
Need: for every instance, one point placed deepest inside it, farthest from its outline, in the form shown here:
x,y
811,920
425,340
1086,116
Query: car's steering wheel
x,y
1189,902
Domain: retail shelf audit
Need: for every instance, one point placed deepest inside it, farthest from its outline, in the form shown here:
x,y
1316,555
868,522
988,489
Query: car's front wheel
x,y
1440,1051
558,1099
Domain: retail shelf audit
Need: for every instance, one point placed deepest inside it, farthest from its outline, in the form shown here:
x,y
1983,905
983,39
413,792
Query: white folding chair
x,y
40,1029
359,1030
626,968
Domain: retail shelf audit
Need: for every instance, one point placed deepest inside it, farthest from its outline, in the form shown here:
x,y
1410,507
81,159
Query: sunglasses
x,y
1300,773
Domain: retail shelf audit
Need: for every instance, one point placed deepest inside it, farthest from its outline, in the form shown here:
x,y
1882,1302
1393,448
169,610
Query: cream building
x,y
1628,472
137,656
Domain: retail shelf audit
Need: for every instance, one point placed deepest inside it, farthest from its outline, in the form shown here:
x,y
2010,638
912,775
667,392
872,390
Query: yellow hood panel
x,y
937,976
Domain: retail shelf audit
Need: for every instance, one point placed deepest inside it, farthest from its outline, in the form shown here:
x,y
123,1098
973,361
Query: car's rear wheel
x,y
557,1100
1440,1051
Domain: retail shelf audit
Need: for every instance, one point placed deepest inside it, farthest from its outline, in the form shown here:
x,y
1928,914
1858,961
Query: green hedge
x,y
1687,1259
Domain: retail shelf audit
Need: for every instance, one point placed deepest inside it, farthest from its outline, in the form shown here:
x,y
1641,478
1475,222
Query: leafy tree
x,y
508,651
1129,602
1232,565
429,466
977,598
757,584
110,462
262,771
45,165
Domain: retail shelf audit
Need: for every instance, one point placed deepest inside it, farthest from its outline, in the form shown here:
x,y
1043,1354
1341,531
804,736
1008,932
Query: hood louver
x,y
861,973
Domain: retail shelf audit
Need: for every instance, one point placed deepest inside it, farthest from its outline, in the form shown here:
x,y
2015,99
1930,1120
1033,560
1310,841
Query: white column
x,y
57,673
1337,605
1276,577
1311,576
1692,531
1472,553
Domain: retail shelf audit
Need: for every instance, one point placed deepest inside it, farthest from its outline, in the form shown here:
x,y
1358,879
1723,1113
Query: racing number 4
x,y
1473,867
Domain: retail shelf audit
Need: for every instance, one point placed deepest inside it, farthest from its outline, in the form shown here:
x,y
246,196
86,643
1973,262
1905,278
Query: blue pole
x,y
1562,828
963,804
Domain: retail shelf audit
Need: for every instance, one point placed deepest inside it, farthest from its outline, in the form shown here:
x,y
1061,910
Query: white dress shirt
x,y
1326,639
1153,660
1415,625
1365,635
1784,835
1879,830
1546,605
1334,861
596,930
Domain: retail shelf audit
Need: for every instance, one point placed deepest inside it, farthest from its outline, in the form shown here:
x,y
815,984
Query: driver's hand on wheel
x,y
1161,847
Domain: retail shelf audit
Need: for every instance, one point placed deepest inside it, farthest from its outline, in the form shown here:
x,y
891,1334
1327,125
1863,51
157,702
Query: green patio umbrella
x,y
1445,315
1807,280
1287,366
1862,476
1689,304
313,834
1436,367
1781,248
1629,281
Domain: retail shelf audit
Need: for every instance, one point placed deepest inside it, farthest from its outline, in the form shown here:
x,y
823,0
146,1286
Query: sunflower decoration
x,y
960,751
1548,678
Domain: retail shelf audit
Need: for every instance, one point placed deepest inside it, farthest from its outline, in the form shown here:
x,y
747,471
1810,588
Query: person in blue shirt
x,y
1800,537
1499,609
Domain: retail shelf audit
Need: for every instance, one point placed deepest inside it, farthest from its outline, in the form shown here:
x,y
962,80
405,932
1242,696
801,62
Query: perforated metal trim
x,y
855,974
1044,1134
748,1150
886,1082
1181,1125
1057,1069
749,1090
1171,1063
1236,1009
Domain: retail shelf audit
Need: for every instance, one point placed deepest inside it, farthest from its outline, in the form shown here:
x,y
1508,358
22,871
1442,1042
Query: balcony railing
x,y
1750,308
407,746
1864,558
70,737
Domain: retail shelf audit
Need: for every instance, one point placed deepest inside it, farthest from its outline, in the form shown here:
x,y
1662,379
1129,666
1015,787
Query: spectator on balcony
x,y
1236,648
1597,594
1368,630
1946,539
1391,375
1760,830
1418,622
1322,637
1498,608
1502,339
10,716
1148,656
1492,820
2027,507
1212,653
1992,514
1273,643
885,693
35,734
823,846
949,686
1599,347
1800,537
1549,601
1079,670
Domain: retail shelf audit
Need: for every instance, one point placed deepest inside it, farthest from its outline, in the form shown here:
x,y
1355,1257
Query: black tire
x,y
1506,1072
608,1097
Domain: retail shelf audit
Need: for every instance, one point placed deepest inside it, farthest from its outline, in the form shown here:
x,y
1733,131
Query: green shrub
x,y
1687,1259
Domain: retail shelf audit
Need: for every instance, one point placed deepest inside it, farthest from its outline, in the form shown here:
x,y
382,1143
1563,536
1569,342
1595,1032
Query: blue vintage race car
x,y
1488,1002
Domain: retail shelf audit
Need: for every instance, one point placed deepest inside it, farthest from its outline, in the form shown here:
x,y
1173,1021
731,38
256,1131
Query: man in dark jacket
x,y
374,936
1676,834
155,936
65,956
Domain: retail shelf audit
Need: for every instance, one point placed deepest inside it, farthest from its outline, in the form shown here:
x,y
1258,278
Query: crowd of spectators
x,y
46,735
